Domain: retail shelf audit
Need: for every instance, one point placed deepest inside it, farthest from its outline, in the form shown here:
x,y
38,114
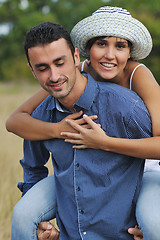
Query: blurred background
x,y
17,83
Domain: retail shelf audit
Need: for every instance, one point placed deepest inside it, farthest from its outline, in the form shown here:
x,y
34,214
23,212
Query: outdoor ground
x,y
11,96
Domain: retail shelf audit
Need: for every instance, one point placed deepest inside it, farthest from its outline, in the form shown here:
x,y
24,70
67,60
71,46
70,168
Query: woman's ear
x,y
87,51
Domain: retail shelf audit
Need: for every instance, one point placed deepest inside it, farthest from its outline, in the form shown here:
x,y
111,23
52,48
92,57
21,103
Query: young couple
x,y
96,190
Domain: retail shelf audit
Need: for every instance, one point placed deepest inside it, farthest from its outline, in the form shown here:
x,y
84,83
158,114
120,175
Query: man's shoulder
x,y
112,88
116,95
121,99
118,92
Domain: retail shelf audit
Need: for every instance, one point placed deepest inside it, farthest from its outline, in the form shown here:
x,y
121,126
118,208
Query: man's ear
x,y
76,57
32,70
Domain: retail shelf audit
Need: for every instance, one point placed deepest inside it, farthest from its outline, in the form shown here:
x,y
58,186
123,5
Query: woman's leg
x,y
148,206
37,205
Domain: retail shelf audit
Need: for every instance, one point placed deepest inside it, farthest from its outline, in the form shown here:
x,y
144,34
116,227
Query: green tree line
x,y
20,15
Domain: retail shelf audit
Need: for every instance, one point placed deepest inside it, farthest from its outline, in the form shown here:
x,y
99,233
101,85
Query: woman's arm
x,y
85,138
22,124
148,89
145,85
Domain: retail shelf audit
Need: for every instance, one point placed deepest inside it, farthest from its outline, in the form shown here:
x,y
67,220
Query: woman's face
x,y
109,57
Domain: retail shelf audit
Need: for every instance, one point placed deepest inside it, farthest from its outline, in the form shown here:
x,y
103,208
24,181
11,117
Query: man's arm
x,y
33,164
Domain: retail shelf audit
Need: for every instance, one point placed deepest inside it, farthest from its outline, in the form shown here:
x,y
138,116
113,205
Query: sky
x,y
4,28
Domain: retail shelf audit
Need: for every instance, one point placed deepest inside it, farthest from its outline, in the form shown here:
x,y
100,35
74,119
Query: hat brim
x,y
115,25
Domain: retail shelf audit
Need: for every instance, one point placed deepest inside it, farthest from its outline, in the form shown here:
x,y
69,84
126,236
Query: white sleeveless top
x,y
150,165
82,67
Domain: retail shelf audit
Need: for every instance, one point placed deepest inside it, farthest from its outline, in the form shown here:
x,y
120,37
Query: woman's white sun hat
x,y
113,22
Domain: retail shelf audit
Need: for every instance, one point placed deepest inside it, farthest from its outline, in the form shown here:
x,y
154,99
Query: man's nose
x,y
54,75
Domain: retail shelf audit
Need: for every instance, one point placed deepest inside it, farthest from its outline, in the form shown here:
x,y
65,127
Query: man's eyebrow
x,y
60,58
38,65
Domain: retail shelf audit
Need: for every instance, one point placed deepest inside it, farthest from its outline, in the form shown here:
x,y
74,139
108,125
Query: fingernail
x,y
49,226
130,230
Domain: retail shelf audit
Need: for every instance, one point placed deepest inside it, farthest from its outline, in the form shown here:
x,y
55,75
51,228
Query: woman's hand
x,y
66,126
91,136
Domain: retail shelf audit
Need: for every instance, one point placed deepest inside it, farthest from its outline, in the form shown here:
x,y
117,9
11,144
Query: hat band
x,y
112,10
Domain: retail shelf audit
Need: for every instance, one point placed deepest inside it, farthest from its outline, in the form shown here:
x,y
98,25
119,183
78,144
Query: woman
x,y
113,45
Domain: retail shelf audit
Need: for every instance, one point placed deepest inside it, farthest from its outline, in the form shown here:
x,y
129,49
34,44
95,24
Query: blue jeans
x,y
39,204
148,206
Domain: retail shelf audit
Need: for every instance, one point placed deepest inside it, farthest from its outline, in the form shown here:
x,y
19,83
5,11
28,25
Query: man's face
x,y
54,67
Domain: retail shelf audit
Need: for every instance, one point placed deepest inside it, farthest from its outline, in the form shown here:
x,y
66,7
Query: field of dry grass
x,y
11,96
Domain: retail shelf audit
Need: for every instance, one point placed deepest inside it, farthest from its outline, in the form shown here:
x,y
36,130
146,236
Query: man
x,y
96,190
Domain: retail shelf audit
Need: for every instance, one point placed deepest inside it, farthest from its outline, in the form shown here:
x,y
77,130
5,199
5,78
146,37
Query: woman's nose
x,y
109,53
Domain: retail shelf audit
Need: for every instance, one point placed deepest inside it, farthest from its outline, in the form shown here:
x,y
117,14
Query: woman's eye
x,y
101,44
121,46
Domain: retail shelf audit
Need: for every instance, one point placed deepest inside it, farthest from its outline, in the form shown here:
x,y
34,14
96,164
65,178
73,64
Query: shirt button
x,y
82,212
77,164
78,189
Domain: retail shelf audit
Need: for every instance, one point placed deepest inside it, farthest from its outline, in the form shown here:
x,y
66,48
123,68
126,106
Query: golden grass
x,y
11,96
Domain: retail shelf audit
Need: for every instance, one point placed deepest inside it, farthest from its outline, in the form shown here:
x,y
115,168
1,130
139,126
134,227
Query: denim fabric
x,y
37,205
96,190
147,209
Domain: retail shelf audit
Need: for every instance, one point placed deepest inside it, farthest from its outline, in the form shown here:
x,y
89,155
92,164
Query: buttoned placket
x,y
77,190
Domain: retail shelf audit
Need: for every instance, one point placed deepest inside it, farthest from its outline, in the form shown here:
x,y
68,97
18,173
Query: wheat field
x,y
11,96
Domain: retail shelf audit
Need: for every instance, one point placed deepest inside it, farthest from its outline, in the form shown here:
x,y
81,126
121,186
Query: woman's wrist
x,y
53,130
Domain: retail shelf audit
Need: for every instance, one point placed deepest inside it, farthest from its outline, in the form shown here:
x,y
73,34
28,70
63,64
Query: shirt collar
x,y
54,103
51,103
85,101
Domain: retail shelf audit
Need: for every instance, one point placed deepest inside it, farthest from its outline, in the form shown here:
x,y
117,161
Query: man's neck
x,y
78,89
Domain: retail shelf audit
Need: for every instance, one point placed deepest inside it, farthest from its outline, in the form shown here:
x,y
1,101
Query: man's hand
x,y
138,235
46,231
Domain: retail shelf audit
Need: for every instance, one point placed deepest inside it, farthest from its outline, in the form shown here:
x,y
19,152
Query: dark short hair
x,y
45,33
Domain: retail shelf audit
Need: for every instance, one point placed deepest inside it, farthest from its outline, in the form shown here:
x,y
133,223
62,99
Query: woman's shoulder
x,y
83,66
131,65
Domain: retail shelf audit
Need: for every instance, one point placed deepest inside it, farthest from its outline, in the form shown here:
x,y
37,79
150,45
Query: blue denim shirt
x,y
96,190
